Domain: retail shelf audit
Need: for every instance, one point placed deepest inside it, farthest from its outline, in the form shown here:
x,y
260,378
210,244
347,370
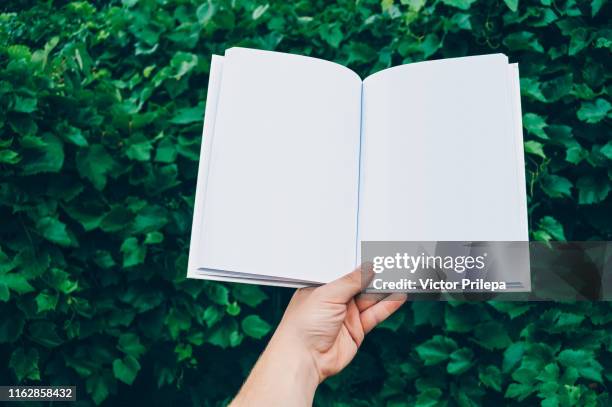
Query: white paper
x,y
439,153
214,86
281,193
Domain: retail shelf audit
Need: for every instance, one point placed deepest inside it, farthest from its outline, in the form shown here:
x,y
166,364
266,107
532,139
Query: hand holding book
x,y
319,335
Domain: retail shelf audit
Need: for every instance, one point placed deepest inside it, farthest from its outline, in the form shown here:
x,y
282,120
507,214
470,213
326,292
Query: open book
x,y
302,160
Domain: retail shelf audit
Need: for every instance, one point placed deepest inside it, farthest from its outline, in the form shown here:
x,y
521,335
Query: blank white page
x,y
439,153
281,195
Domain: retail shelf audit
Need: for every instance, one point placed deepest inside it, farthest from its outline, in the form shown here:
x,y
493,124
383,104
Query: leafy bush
x,y
100,120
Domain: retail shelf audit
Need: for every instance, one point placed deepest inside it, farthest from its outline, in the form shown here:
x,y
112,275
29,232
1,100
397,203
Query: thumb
x,y
346,287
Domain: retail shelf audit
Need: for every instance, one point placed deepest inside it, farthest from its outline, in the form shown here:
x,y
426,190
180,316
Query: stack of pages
x,y
302,160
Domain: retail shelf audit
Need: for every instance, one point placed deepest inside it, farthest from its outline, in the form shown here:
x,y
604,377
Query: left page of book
x,y
279,203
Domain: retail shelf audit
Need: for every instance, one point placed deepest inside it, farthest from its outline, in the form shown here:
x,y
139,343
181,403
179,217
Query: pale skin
x,y
318,336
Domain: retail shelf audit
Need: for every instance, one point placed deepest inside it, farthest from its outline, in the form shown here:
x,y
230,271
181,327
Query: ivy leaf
x,y
535,124
429,398
53,230
25,364
9,157
584,362
552,226
255,327
436,350
512,4
592,189
126,369
5,294
98,387
46,301
95,164
596,5
460,361
47,157
556,186
492,335
331,33
129,344
154,238
45,333
188,115
249,294
523,41
491,377
24,104
139,148
133,252
535,148
460,4
594,112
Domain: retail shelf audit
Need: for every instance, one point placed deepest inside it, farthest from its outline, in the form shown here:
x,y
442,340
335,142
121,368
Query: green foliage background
x,y
101,108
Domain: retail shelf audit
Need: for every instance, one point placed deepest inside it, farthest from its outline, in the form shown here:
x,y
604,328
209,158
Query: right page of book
x,y
441,153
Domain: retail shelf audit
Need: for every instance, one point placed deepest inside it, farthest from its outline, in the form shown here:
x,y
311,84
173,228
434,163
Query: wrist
x,y
284,375
295,360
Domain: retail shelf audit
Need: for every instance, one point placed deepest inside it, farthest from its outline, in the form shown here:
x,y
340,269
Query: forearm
x,y
283,376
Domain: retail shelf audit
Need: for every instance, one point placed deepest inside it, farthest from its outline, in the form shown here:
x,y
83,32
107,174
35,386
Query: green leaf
x,y
594,112
9,157
139,148
606,150
512,4
17,282
98,387
492,335
429,398
154,238
126,369
177,321
552,226
46,301
535,124
11,324
24,104
460,361
331,33
183,63
166,151
596,5
436,350
556,186
53,230
5,294
249,294
44,333
149,219
129,344
519,391
535,148
133,252
95,164
217,293
189,115
49,158
255,327
592,189
460,4
523,41
491,377
73,135
25,364
583,361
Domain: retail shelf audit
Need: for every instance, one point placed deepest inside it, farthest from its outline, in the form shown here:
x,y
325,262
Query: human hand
x,y
329,323
319,335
